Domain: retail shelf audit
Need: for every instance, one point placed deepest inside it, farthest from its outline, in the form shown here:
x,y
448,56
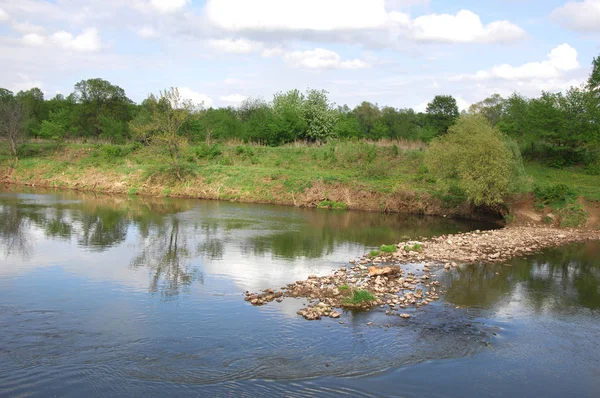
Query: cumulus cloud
x,y
161,6
234,99
361,17
464,27
25,83
147,32
583,16
560,60
274,15
87,41
235,46
196,97
321,58
3,15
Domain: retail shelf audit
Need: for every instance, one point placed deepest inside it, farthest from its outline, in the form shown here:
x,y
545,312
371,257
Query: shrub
x,y
414,248
329,204
572,216
388,248
208,151
374,253
359,297
556,195
475,156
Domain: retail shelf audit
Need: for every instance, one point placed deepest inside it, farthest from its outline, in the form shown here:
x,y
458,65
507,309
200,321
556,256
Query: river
x,y
131,296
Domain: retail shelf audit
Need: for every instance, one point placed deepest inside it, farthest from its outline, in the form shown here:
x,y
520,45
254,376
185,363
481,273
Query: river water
x,y
118,296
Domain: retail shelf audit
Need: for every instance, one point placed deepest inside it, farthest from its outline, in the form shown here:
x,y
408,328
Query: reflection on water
x,y
556,280
143,297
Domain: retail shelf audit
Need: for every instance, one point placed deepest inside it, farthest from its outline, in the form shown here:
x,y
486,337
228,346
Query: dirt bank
x,y
406,277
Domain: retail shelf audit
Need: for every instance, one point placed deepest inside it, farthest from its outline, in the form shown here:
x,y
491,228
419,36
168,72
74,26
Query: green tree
x,y
96,98
367,114
56,126
593,82
475,157
492,108
442,112
35,108
291,123
320,116
163,129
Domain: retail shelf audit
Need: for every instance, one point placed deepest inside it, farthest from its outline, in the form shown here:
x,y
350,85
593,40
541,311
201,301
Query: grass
x,y
388,248
344,288
374,253
329,204
414,248
338,175
359,297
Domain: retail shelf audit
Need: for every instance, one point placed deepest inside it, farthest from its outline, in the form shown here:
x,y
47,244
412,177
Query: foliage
x,y
12,122
574,215
329,204
555,195
414,248
388,248
442,112
359,297
374,253
474,155
56,126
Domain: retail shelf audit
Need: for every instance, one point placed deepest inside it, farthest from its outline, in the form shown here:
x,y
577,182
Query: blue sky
x,y
393,52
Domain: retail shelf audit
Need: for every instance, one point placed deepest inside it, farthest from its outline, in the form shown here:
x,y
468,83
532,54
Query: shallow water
x,y
117,296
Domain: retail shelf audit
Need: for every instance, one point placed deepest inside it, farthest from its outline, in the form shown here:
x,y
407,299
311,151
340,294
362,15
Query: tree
x,y
442,112
35,108
12,117
98,98
492,108
319,115
593,82
367,114
56,126
163,128
477,158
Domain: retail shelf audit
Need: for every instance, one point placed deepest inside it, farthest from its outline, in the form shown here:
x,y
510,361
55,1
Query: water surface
x,y
117,296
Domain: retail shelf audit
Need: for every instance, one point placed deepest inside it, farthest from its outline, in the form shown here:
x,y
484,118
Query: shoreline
x,y
404,280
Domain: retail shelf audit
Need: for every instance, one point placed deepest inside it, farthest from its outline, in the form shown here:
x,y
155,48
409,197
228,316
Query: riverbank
x,y
386,177
404,276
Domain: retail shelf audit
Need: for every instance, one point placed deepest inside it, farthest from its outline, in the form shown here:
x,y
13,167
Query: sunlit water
x,y
117,296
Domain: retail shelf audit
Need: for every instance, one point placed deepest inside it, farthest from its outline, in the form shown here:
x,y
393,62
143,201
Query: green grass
x,y
374,253
576,178
414,248
388,248
344,288
265,174
359,297
328,204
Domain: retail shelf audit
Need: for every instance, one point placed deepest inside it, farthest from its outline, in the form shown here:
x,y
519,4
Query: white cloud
x,y
3,15
235,46
26,27
196,98
33,39
321,58
583,16
274,15
464,27
25,84
233,98
147,32
168,6
336,19
560,60
87,41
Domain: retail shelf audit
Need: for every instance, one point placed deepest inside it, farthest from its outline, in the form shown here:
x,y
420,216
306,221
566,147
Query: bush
x,y
359,297
557,195
572,216
388,248
204,151
475,156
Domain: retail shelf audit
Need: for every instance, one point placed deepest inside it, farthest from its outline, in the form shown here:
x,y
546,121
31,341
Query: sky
x,y
399,53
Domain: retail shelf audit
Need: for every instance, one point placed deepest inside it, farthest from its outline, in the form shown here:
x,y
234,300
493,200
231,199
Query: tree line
x,y
560,128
